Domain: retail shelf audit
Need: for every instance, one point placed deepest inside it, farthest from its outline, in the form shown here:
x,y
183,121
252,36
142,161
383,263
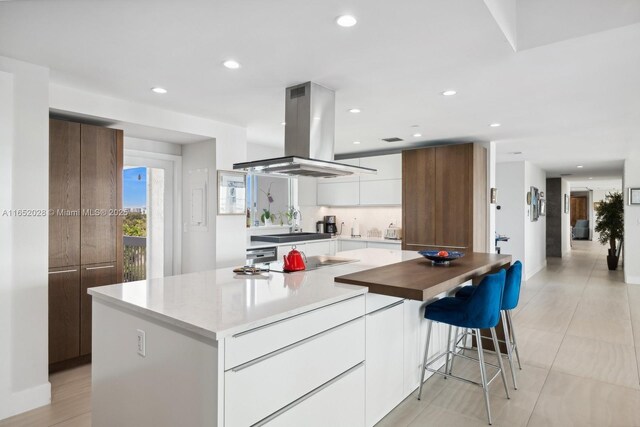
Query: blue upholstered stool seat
x,y
510,298
480,310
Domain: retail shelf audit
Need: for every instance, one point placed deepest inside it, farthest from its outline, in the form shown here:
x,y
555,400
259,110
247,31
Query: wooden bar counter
x,y
418,279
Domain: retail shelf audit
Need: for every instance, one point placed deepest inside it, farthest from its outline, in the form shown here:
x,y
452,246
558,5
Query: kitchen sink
x,y
290,237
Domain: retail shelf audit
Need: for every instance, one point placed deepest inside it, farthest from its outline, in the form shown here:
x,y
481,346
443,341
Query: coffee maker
x,y
330,225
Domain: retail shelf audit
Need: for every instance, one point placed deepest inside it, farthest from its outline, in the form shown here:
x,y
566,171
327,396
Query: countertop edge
x,y
219,335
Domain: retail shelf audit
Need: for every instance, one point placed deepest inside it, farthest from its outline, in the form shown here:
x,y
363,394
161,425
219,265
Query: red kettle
x,y
293,261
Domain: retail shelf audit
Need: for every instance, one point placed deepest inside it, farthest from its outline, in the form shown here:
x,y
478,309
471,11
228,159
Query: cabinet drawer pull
x,y
386,308
306,396
63,271
289,347
100,268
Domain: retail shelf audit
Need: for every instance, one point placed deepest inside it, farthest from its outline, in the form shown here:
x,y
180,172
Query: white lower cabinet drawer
x,y
258,389
252,344
339,403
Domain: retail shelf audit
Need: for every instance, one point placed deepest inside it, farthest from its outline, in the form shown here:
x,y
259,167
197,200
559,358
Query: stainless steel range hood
x,y
309,137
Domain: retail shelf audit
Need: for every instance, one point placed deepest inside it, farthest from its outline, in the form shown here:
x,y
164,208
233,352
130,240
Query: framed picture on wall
x,y
535,204
634,196
566,203
232,193
543,207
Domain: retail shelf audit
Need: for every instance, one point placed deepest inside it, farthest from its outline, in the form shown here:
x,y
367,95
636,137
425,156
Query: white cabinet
x,y
384,361
255,390
350,245
380,193
323,247
388,167
385,245
332,193
339,403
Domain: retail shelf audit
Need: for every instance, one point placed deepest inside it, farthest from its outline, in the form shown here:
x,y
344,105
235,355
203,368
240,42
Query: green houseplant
x,y
610,225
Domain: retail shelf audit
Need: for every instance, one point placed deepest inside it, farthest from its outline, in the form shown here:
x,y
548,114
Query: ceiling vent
x,y
566,174
393,139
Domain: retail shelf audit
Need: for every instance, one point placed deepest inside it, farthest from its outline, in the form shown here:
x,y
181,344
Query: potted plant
x,y
610,225
266,217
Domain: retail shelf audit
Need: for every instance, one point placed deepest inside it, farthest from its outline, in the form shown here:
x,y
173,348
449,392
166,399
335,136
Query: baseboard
x,y
536,270
632,280
26,400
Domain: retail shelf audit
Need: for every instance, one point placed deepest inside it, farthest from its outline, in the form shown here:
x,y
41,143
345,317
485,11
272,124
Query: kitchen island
x,y
219,349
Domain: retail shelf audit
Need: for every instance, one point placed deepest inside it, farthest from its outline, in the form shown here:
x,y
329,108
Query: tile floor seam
x,y
564,335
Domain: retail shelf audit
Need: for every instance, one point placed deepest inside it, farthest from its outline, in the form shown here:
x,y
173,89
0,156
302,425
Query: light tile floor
x,y
578,329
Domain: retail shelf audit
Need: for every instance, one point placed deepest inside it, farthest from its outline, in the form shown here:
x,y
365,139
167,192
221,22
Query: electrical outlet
x,y
142,344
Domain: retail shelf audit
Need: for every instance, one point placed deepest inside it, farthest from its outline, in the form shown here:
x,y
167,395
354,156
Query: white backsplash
x,y
368,218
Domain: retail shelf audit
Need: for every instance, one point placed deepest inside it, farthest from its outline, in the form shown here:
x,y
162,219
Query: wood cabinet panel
x,y
92,276
453,201
64,314
418,196
64,193
99,194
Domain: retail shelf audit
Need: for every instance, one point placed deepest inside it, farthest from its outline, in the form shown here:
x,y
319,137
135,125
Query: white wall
x,y
512,201
368,217
565,188
631,220
260,152
230,147
24,173
527,239
535,234
199,244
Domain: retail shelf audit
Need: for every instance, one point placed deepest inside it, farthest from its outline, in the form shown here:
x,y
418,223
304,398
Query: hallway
x,y
578,329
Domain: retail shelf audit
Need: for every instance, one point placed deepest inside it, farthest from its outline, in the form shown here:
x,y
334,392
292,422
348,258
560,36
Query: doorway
x,y
579,209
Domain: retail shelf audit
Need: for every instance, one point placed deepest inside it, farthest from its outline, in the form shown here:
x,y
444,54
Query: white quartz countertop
x,y
257,244
219,303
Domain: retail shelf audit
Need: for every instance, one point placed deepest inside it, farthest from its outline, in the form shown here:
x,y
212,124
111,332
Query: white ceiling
x,y
565,103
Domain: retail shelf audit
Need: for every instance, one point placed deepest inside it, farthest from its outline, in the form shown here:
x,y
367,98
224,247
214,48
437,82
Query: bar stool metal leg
x,y
448,357
512,333
483,374
507,341
426,355
496,346
454,347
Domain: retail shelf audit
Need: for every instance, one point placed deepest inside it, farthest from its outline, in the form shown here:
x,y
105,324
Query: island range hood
x,y
309,137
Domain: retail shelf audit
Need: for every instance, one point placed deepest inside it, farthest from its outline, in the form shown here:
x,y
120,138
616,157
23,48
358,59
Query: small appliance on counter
x,y
355,228
330,225
293,261
393,232
320,227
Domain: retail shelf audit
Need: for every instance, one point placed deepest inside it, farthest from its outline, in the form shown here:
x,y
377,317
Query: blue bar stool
x,y
510,298
481,310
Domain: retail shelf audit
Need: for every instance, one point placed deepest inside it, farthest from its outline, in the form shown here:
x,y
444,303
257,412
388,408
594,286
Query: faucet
x,y
297,216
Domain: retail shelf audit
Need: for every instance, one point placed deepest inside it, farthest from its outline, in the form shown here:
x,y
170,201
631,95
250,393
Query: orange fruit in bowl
x,y
443,253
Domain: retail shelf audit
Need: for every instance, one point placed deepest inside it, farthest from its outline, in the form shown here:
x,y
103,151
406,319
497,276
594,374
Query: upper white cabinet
x,y
331,193
307,191
381,189
388,167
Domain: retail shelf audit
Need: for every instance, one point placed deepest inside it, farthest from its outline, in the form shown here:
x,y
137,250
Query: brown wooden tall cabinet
x,y
85,231
445,198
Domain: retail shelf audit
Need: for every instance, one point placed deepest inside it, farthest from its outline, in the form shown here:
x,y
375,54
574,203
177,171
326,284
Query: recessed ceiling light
x,y
417,135
160,90
495,125
231,64
354,110
579,166
283,123
356,142
590,177
346,21
449,92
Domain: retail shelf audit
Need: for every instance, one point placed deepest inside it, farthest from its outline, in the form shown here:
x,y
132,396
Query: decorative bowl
x,y
441,260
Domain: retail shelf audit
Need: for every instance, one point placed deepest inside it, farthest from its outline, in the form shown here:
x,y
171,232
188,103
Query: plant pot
x,y
612,262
